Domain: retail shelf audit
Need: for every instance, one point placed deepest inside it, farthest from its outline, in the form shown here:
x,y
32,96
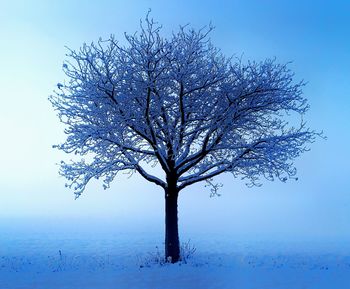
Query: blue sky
x,y
314,36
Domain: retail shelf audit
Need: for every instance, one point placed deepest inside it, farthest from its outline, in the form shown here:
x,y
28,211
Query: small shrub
x,y
187,251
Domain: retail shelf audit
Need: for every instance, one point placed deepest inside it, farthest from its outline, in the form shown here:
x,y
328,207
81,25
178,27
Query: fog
x,y
32,195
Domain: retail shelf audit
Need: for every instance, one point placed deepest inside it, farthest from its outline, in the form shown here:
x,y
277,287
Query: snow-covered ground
x,y
125,260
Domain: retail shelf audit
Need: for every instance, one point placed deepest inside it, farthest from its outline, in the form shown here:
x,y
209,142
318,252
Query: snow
x,y
177,103
125,260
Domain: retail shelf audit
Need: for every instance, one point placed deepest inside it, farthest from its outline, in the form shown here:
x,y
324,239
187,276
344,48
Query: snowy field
x,y
57,260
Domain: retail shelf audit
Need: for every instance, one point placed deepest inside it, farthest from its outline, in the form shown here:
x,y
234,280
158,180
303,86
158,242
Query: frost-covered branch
x,y
178,102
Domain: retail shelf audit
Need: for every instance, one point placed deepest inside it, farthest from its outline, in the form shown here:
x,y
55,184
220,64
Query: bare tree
x,y
180,103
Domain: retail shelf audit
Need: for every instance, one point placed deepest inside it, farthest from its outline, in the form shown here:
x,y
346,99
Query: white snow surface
x,y
94,261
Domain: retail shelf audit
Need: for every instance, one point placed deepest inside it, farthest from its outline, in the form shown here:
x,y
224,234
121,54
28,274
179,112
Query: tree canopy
x,y
180,103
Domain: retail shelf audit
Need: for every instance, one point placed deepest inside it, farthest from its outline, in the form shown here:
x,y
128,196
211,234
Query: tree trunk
x,y
172,244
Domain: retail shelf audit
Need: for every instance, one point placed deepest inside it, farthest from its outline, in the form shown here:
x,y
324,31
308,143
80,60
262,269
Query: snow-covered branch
x,y
181,103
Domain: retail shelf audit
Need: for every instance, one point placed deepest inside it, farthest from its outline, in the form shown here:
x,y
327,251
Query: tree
x,y
178,103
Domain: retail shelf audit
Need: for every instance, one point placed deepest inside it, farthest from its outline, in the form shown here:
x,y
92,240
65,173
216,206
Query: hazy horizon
x,y
313,37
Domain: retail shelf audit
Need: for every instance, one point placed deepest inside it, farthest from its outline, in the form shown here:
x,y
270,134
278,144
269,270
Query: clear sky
x,y
313,34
